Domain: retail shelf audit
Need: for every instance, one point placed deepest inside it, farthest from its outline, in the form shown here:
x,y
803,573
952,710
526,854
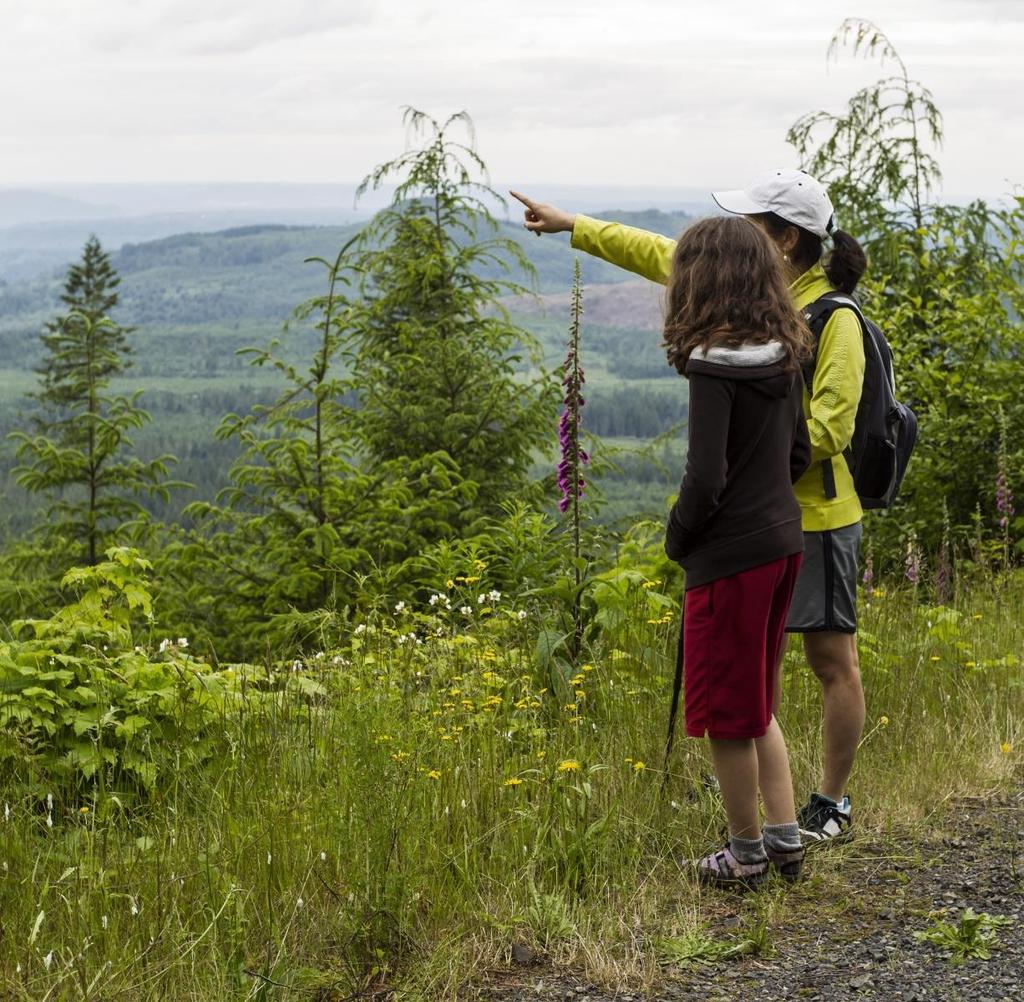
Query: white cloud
x,y
655,91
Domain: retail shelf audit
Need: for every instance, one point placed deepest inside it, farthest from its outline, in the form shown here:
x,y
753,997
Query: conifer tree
x,y
306,515
79,455
439,365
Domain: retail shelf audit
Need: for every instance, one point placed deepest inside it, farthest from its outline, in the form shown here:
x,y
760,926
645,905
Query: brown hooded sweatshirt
x,y
748,444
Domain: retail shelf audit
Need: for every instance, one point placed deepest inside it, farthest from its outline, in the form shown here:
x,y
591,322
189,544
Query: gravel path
x,y
849,933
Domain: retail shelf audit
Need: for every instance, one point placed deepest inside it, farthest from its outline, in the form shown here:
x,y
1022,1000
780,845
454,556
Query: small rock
x,y
522,954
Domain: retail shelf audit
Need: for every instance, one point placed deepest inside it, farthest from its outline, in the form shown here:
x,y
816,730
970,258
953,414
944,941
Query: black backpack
x,y
885,430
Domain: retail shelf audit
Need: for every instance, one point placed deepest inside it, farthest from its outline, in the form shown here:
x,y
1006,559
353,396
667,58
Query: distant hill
x,y
196,298
18,206
258,272
635,305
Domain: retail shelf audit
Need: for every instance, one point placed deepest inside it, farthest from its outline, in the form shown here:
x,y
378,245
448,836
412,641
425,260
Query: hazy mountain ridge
x,y
260,272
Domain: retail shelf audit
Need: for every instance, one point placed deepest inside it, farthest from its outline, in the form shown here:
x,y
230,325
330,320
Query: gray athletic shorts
x,y
825,597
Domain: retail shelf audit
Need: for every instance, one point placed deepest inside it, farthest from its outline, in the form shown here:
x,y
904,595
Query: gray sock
x,y
747,850
782,838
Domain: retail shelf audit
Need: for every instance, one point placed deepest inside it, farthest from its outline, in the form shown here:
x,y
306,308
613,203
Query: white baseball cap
x,y
792,195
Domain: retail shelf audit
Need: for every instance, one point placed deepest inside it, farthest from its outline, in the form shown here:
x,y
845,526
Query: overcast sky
x,y
659,92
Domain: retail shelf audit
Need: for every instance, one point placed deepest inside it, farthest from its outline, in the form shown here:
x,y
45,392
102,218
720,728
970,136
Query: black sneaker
x,y
823,820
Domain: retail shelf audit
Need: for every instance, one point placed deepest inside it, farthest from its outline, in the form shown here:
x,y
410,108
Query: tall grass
x,y
437,797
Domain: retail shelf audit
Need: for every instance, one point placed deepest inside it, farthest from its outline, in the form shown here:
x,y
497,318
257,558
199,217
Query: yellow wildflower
x,y
935,657
1006,747
83,810
638,766
479,565
581,694
513,781
399,756
588,668
970,664
473,579
978,615
569,765
883,721
450,583
434,774
541,753
381,738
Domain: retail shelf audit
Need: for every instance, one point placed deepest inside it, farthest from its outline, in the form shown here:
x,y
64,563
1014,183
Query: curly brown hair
x,y
727,287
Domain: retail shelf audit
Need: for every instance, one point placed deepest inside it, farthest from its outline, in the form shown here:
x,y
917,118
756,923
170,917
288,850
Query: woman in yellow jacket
x,y
796,211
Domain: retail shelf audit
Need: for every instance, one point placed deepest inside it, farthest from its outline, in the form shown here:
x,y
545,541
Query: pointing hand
x,y
541,218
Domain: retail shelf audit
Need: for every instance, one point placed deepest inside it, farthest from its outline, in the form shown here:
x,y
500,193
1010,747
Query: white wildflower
x,y
447,603
164,644
299,902
296,666
434,599
400,607
494,595
183,642
361,628
466,611
522,615
323,857
481,599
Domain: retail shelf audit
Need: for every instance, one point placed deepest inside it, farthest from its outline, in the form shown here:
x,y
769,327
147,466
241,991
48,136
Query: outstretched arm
x,y
644,253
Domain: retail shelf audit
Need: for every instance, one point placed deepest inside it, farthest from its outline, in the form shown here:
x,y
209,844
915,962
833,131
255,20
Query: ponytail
x,y
847,262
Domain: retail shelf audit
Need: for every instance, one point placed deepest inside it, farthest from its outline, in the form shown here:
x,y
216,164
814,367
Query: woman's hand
x,y
541,218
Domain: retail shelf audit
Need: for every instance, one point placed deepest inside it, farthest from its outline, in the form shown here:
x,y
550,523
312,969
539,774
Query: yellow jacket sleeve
x,y
838,379
644,253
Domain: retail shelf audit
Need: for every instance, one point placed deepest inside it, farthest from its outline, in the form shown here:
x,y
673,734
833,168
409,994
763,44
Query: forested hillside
x,y
196,299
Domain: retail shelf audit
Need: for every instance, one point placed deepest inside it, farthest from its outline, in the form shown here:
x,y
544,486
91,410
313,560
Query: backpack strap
x,y
817,315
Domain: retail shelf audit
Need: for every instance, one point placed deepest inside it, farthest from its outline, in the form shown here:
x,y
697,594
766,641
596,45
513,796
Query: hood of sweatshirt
x,y
762,365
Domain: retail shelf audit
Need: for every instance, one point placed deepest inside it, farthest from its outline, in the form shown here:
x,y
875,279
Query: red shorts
x,y
733,632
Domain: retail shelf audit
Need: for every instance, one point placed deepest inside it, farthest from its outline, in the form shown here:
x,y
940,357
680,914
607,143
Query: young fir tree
x,y
439,367
79,455
306,518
